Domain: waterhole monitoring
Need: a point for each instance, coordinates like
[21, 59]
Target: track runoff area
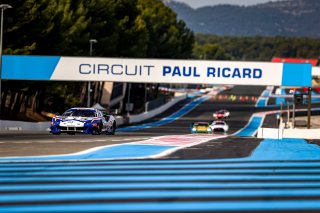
[220, 173]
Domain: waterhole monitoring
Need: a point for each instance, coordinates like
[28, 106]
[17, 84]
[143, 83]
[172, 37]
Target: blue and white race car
[83, 120]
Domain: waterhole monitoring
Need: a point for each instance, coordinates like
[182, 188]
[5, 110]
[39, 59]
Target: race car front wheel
[112, 129]
[98, 130]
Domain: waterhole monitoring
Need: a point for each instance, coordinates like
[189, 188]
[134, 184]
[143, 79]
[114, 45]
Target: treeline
[254, 48]
[123, 28]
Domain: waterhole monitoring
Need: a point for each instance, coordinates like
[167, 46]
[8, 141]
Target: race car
[83, 120]
[219, 126]
[221, 114]
[201, 127]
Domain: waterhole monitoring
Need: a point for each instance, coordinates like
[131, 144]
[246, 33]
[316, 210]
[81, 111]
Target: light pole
[91, 41]
[3, 7]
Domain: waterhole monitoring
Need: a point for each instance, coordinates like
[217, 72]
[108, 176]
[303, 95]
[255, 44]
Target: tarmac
[302, 122]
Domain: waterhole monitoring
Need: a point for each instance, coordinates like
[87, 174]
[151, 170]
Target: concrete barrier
[275, 133]
[24, 125]
[6, 125]
[270, 133]
[119, 120]
[302, 133]
[146, 115]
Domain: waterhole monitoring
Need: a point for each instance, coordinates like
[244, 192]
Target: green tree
[118, 27]
[209, 51]
[123, 28]
[259, 48]
[167, 36]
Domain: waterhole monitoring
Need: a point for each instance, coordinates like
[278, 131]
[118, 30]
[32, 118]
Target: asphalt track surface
[225, 175]
[29, 144]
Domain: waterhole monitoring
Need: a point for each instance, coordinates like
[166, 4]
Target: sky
[201, 3]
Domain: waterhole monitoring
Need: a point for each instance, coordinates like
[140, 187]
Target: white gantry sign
[155, 71]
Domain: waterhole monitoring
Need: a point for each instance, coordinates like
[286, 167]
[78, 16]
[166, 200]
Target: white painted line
[21, 142]
[170, 151]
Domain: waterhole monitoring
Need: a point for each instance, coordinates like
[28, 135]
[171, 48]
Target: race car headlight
[93, 122]
[214, 115]
[194, 129]
[55, 121]
[227, 113]
[209, 130]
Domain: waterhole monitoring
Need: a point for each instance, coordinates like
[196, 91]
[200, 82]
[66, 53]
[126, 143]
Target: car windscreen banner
[155, 71]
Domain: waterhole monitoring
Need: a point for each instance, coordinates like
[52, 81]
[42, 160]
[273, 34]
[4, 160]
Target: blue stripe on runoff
[167, 178]
[169, 171]
[243, 163]
[152, 185]
[204, 206]
[266, 94]
[251, 128]
[315, 100]
[262, 102]
[286, 149]
[271, 156]
[281, 100]
[157, 194]
[29, 67]
[111, 152]
[297, 75]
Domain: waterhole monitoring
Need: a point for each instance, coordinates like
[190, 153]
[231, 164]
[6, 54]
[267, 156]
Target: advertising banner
[155, 71]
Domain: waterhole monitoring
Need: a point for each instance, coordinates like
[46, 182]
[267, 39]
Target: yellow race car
[201, 127]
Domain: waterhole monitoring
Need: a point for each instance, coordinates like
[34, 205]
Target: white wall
[302, 133]
[146, 115]
[271, 133]
[24, 126]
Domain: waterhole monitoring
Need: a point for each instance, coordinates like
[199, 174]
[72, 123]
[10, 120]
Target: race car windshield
[220, 123]
[201, 125]
[79, 113]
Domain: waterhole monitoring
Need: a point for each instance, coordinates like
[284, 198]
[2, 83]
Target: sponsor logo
[213, 72]
[115, 69]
